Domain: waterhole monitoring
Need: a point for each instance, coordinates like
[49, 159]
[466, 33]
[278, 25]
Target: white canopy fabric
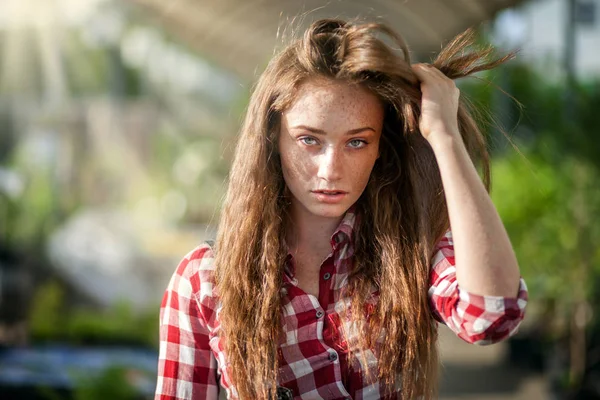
[241, 35]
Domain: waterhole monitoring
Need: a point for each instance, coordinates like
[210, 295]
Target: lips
[331, 192]
[329, 196]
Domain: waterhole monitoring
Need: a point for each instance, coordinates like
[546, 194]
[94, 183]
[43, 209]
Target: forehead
[319, 100]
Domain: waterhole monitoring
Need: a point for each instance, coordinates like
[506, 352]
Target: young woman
[334, 256]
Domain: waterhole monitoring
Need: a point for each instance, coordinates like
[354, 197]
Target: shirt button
[284, 291]
[333, 356]
[319, 314]
[327, 276]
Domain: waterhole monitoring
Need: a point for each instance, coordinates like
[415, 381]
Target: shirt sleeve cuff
[486, 320]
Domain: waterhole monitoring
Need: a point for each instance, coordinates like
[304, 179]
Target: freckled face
[328, 143]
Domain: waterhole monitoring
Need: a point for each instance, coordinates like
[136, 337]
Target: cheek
[361, 169]
[295, 165]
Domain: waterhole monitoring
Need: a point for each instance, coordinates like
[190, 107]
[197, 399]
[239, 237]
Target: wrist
[442, 141]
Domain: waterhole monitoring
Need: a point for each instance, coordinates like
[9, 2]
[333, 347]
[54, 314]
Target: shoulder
[201, 258]
[196, 271]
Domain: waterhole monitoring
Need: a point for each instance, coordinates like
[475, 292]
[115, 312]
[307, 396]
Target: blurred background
[117, 125]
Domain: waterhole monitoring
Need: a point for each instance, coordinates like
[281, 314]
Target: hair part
[402, 211]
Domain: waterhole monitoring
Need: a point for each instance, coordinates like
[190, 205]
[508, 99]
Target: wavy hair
[402, 210]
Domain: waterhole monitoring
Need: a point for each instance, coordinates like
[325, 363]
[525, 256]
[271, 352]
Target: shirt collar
[344, 232]
[346, 228]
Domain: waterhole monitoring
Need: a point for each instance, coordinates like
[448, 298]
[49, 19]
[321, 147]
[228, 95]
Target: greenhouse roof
[240, 36]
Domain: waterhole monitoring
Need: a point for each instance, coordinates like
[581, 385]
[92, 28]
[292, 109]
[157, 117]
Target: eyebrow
[322, 132]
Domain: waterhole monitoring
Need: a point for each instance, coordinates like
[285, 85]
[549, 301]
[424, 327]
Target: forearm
[485, 260]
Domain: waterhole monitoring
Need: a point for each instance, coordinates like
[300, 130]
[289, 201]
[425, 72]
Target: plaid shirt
[312, 357]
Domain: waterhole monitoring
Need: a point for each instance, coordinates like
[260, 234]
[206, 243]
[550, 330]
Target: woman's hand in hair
[439, 103]
[485, 261]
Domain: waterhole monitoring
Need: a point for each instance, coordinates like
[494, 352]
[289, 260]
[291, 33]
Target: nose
[330, 164]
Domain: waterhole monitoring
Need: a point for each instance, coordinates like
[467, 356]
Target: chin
[329, 210]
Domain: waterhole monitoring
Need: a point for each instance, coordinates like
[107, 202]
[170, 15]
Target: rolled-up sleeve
[474, 318]
[187, 368]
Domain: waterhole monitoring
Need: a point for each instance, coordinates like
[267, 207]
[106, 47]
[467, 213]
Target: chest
[312, 345]
[307, 276]
[309, 267]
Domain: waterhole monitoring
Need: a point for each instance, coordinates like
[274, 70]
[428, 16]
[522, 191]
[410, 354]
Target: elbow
[491, 329]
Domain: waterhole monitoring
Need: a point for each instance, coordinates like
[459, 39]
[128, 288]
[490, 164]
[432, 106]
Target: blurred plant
[46, 319]
[52, 319]
[119, 324]
[549, 196]
[550, 207]
[90, 118]
[112, 384]
[549, 210]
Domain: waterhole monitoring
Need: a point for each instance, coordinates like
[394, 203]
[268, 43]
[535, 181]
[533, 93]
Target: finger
[429, 73]
[423, 71]
[435, 71]
[441, 76]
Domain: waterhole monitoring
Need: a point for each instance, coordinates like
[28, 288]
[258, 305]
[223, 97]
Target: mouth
[329, 192]
[329, 196]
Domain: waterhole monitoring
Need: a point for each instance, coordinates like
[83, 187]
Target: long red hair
[403, 211]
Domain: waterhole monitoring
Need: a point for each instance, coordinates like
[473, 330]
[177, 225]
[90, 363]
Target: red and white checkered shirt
[312, 358]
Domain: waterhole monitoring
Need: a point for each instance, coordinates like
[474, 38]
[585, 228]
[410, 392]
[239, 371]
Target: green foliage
[549, 196]
[111, 384]
[548, 210]
[118, 324]
[551, 119]
[45, 317]
[33, 216]
[28, 218]
[51, 319]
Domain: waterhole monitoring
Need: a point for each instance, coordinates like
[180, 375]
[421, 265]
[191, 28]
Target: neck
[306, 230]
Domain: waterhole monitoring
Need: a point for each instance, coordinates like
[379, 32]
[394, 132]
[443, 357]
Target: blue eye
[357, 143]
[308, 140]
